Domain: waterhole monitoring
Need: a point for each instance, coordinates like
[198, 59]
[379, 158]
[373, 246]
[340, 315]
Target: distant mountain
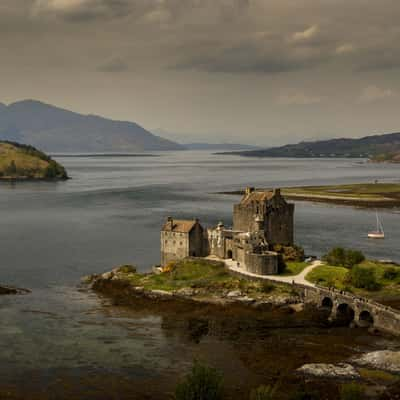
[366, 147]
[219, 146]
[54, 129]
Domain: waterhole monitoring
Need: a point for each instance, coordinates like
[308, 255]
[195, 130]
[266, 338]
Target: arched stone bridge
[344, 306]
[353, 309]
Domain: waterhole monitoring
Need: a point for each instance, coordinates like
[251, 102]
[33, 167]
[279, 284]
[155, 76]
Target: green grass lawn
[295, 268]
[364, 190]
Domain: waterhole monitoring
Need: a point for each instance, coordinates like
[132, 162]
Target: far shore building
[261, 220]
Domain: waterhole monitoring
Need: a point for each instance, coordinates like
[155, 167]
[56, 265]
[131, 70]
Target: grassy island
[24, 162]
[197, 279]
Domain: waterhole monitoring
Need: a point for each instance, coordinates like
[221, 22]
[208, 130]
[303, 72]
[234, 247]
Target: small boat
[379, 233]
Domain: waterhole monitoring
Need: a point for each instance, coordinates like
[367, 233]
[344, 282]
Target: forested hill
[366, 147]
[54, 129]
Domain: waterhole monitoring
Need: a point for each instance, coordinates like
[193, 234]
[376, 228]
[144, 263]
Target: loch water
[65, 342]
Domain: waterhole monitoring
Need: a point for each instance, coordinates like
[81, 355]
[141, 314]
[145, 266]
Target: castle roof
[179, 225]
[256, 196]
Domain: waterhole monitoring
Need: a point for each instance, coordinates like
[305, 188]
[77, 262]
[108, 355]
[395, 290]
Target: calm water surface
[110, 213]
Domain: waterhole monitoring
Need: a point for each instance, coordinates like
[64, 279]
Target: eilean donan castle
[261, 220]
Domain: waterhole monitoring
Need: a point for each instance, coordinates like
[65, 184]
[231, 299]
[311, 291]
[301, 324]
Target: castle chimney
[171, 222]
[249, 190]
[277, 192]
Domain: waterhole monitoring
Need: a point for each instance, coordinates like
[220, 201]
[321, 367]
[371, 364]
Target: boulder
[341, 371]
[234, 293]
[385, 360]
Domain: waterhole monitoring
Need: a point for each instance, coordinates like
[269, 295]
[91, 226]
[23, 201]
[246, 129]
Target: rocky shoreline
[115, 284]
[10, 290]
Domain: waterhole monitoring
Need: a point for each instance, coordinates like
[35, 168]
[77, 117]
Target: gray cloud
[115, 64]
[206, 55]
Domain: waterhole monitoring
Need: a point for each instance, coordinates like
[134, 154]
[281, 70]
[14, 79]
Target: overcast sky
[256, 71]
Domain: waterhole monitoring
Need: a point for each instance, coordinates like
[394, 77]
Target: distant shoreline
[105, 155]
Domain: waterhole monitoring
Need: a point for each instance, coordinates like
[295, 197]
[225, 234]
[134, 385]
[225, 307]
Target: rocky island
[20, 162]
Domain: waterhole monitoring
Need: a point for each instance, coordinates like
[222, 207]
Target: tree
[353, 257]
[11, 170]
[336, 256]
[202, 383]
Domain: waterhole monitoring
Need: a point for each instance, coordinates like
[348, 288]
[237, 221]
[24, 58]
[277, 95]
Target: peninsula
[20, 162]
[375, 195]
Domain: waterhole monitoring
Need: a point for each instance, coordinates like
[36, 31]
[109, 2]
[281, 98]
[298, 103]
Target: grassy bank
[386, 280]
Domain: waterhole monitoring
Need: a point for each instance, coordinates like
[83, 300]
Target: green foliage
[11, 170]
[267, 287]
[351, 391]
[363, 278]
[202, 383]
[391, 273]
[127, 269]
[263, 393]
[341, 257]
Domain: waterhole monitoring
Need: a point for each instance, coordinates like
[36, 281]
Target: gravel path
[299, 279]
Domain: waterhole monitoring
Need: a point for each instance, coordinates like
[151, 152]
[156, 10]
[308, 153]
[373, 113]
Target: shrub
[351, 391]
[262, 393]
[11, 169]
[391, 273]
[340, 257]
[127, 269]
[203, 383]
[267, 287]
[363, 278]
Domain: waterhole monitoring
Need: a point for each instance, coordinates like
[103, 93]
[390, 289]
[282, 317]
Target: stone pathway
[299, 279]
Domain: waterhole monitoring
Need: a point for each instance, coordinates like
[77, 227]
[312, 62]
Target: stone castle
[261, 220]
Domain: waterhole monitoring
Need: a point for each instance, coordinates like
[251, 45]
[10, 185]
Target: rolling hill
[366, 147]
[54, 129]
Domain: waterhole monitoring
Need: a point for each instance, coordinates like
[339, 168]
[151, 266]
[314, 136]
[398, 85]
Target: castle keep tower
[268, 209]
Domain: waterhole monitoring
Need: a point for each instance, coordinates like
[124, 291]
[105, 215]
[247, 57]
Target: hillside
[366, 147]
[22, 162]
[53, 129]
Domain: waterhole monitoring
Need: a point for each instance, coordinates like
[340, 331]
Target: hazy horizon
[233, 71]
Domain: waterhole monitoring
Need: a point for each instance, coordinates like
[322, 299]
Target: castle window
[181, 243]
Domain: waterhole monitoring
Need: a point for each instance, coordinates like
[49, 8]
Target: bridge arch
[366, 319]
[327, 303]
[344, 313]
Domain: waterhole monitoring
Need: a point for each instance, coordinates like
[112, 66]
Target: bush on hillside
[363, 278]
[340, 257]
[203, 383]
[391, 273]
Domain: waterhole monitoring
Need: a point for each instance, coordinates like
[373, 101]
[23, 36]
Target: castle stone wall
[262, 264]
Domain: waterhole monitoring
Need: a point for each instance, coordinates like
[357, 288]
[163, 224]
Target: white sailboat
[379, 233]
